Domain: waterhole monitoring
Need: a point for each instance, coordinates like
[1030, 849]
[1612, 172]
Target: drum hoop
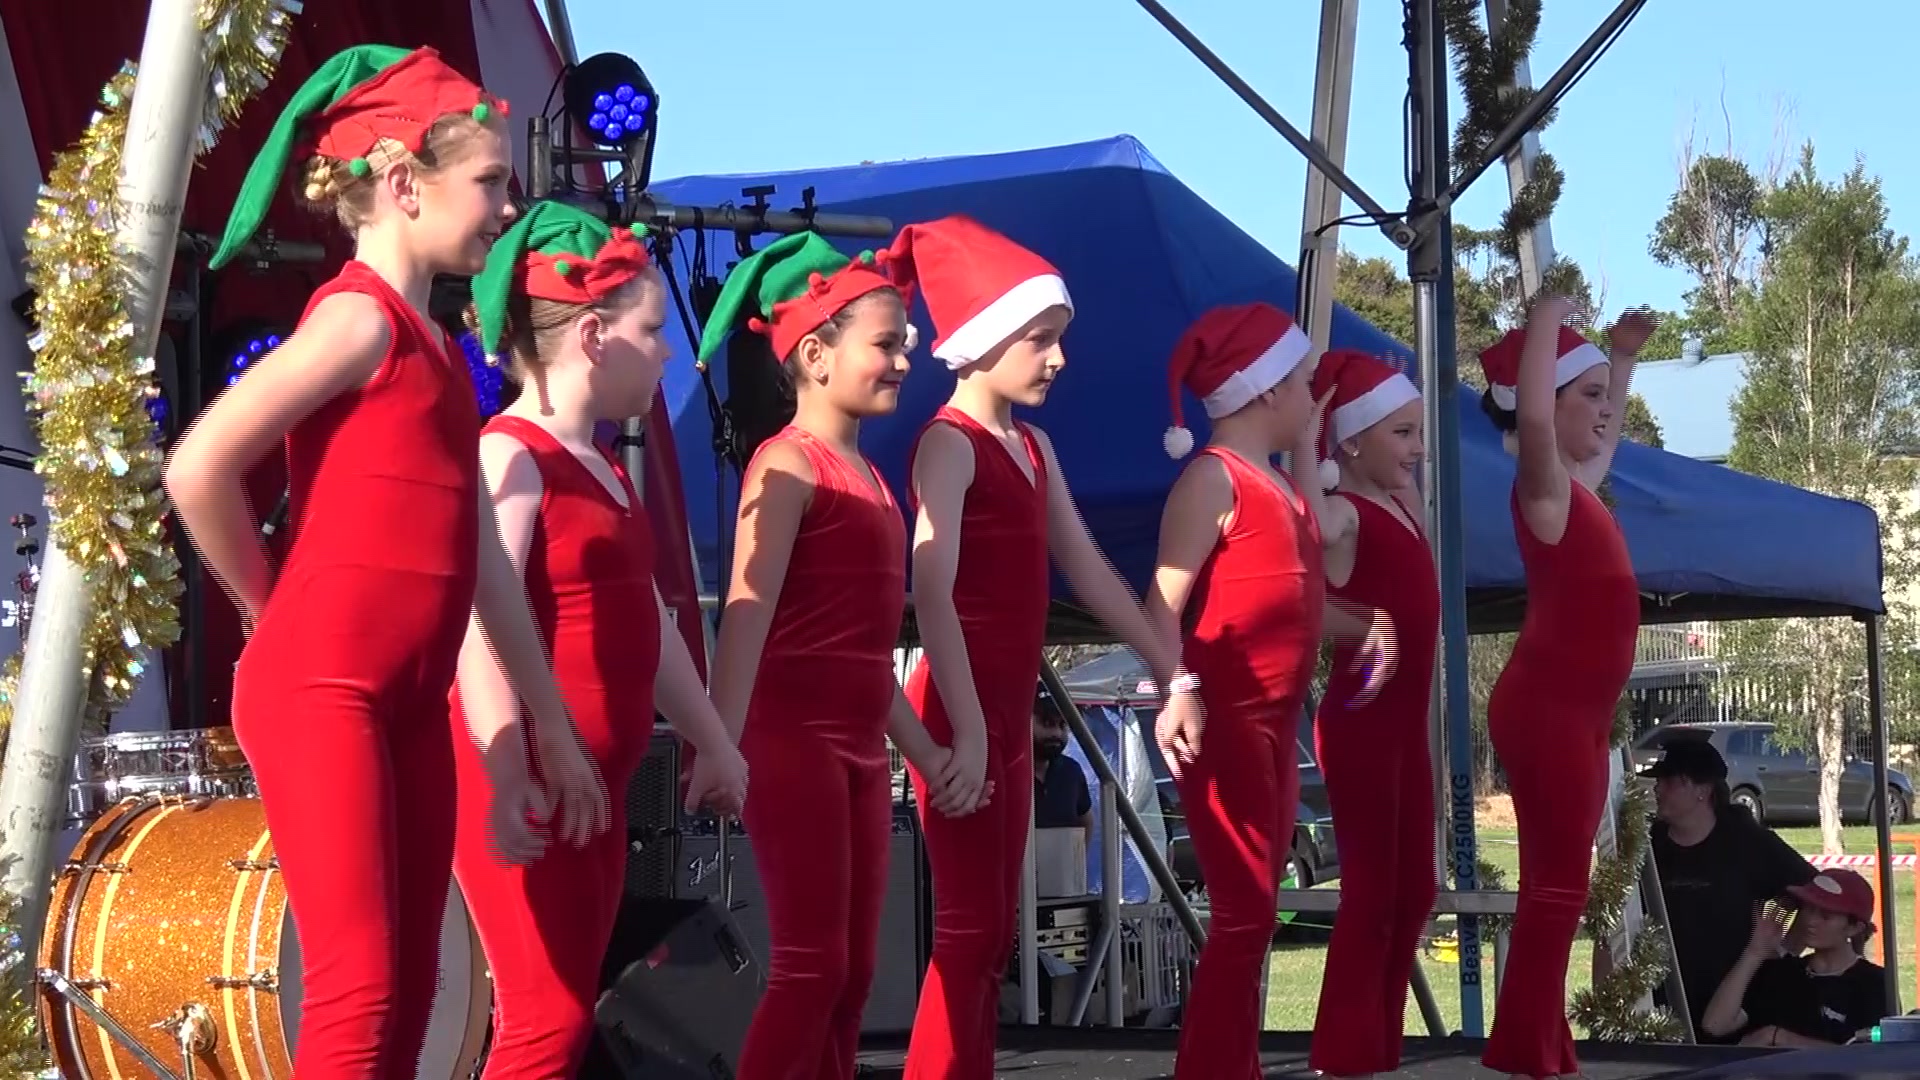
[76, 897]
[147, 740]
[477, 1041]
[161, 778]
[253, 950]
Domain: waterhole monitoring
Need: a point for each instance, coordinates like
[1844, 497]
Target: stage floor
[1102, 1054]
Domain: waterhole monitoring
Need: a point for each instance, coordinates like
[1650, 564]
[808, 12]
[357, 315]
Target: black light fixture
[609, 97]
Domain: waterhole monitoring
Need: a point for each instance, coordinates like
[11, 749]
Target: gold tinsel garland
[21, 1051]
[1610, 1009]
[99, 457]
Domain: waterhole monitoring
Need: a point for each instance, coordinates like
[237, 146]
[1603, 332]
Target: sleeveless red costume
[340, 697]
[1379, 776]
[815, 737]
[1550, 717]
[1253, 637]
[545, 927]
[1001, 594]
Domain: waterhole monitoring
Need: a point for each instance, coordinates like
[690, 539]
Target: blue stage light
[610, 96]
[487, 379]
[246, 350]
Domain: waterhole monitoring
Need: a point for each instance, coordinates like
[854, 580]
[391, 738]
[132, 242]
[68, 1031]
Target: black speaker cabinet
[902, 957]
[653, 816]
[678, 991]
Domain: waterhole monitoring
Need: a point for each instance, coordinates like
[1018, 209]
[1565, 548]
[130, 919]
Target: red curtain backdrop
[63, 53]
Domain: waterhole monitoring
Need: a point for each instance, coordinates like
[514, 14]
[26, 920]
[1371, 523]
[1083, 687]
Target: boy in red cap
[1240, 591]
[1559, 401]
[1826, 997]
[991, 506]
[803, 673]
[1374, 753]
[340, 696]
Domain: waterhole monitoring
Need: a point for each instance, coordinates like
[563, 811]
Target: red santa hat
[1501, 362]
[1228, 357]
[1366, 390]
[981, 287]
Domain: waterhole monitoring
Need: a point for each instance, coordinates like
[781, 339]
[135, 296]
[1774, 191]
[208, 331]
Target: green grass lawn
[1293, 985]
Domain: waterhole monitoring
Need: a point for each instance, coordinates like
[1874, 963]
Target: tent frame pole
[1320, 252]
[1536, 248]
[1882, 825]
[1319, 225]
[1430, 269]
[1394, 225]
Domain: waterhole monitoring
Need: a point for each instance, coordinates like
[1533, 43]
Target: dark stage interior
[1049, 1053]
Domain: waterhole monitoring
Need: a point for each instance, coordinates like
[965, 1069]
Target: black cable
[547, 109]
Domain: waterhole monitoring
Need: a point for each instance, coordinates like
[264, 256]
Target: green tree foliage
[1831, 403]
[1717, 228]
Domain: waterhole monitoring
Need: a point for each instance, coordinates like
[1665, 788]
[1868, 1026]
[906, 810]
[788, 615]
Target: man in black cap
[1061, 798]
[1717, 865]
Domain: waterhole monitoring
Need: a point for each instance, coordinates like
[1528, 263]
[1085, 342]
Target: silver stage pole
[1332, 107]
[168, 102]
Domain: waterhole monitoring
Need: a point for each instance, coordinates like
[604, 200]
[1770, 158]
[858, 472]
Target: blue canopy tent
[1144, 256]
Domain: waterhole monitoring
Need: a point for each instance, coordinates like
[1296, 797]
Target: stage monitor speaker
[653, 818]
[678, 990]
[902, 952]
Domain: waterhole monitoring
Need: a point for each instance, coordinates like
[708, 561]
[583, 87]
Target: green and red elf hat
[361, 97]
[789, 289]
[554, 252]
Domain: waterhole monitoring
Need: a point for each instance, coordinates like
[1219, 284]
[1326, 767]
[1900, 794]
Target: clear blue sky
[881, 81]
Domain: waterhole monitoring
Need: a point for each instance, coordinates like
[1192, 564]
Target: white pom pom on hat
[1329, 474]
[1178, 441]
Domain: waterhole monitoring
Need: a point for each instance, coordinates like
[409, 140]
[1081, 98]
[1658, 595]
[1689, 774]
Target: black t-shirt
[1060, 797]
[1832, 1008]
[1712, 890]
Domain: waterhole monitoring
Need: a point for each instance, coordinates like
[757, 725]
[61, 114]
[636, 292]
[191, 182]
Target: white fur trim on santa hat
[1001, 319]
[1568, 368]
[1262, 375]
[1372, 407]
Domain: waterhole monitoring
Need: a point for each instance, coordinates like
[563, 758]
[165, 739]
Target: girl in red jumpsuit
[577, 310]
[1374, 754]
[805, 656]
[1240, 587]
[992, 505]
[340, 696]
[1559, 401]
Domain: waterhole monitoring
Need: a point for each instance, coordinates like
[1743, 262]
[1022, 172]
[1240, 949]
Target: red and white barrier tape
[1900, 862]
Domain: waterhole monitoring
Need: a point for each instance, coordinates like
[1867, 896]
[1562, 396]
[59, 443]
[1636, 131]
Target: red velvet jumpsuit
[1550, 717]
[1379, 776]
[340, 697]
[545, 927]
[821, 808]
[1001, 594]
[1253, 637]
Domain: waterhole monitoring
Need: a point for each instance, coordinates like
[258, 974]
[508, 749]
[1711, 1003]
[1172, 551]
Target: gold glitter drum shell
[172, 918]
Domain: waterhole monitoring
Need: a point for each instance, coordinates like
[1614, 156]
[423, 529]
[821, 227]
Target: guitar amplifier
[678, 994]
[653, 815]
[901, 956]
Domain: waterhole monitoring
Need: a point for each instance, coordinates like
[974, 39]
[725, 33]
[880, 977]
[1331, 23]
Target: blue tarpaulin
[1144, 256]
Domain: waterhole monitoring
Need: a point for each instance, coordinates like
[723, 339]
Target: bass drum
[172, 917]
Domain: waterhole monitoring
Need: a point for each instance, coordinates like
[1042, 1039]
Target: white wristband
[1183, 683]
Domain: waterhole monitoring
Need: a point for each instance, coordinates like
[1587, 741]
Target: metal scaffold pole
[168, 101]
[1430, 268]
